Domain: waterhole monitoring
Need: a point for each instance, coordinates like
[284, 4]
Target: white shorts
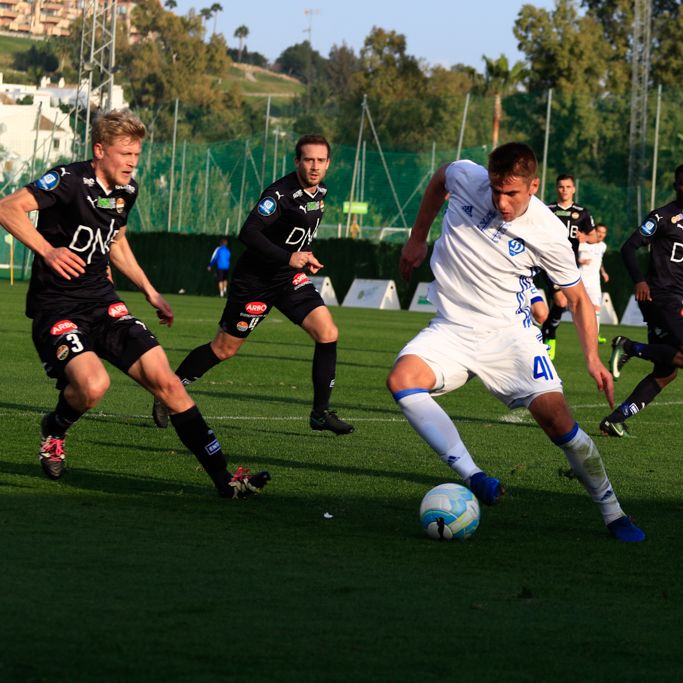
[512, 362]
[594, 292]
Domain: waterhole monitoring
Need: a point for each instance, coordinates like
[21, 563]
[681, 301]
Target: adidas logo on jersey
[468, 210]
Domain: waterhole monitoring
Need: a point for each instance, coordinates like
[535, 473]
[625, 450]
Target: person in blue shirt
[221, 259]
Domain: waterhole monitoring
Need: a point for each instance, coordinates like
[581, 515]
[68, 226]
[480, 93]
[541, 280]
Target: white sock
[586, 462]
[597, 320]
[432, 423]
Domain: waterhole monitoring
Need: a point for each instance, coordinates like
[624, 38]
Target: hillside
[256, 81]
[9, 47]
[253, 81]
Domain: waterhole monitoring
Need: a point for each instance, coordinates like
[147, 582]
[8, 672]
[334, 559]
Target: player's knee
[169, 388]
[93, 388]
[326, 335]
[401, 378]
[664, 375]
[225, 348]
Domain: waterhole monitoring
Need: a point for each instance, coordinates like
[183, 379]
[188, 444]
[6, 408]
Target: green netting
[216, 185]
[208, 188]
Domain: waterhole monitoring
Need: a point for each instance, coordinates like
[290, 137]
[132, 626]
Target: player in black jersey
[579, 225]
[78, 318]
[660, 297]
[278, 234]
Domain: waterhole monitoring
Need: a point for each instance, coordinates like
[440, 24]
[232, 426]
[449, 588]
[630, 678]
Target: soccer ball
[449, 511]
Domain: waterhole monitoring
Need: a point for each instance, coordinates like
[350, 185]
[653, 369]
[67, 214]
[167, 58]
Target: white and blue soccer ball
[449, 511]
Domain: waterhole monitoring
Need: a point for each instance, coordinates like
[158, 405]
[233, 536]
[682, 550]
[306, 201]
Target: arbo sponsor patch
[300, 279]
[256, 308]
[63, 326]
[117, 310]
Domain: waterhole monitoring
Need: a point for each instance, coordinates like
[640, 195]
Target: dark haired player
[579, 224]
[78, 318]
[660, 297]
[278, 234]
[495, 236]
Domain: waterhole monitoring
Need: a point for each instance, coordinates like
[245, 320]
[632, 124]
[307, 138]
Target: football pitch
[130, 568]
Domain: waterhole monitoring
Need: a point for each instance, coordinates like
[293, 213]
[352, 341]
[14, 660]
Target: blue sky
[439, 31]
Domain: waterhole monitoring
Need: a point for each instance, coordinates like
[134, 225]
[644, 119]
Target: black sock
[323, 372]
[60, 419]
[197, 436]
[641, 396]
[661, 354]
[196, 363]
[549, 329]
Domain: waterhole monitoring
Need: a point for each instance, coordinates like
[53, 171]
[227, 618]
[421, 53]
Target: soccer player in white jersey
[590, 265]
[496, 235]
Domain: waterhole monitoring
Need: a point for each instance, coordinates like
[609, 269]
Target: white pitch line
[512, 417]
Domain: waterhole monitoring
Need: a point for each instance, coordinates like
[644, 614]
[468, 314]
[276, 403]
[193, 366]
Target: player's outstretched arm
[583, 314]
[414, 250]
[123, 259]
[14, 210]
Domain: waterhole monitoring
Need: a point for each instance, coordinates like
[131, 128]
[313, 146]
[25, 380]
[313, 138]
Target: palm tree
[215, 9]
[205, 13]
[501, 80]
[241, 33]
[170, 4]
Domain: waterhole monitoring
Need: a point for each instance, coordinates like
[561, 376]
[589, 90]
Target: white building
[40, 126]
[37, 127]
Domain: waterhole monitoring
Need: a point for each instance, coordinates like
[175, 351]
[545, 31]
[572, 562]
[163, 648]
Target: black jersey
[285, 220]
[78, 213]
[576, 219]
[662, 231]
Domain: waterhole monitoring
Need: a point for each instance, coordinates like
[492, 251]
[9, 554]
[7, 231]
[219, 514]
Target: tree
[175, 62]
[500, 80]
[38, 61]
[340, 70]
[215, 9]
[294, 61]
[241, 33]
[404, 111]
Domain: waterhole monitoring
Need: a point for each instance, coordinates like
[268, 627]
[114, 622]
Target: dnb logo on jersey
[267, 206]
[516, 247]
[648, 228]
[49, 181]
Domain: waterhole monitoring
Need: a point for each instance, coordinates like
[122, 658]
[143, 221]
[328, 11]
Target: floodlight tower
[95, 68]
[309, 62]
[640, 76]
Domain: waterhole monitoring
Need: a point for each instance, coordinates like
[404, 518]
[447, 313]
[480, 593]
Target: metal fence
[209, 188]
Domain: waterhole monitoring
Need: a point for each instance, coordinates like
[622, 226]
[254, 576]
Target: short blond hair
[117, 123]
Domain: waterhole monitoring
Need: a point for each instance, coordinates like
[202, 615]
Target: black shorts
[550, 287]
[109, 331]
[664, 318]
[250, 300]
[221, 275]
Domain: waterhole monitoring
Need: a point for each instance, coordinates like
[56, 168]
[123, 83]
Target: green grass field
[131, 569]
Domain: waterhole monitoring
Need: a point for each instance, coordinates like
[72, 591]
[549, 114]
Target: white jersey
[482, 265]
[590, 272]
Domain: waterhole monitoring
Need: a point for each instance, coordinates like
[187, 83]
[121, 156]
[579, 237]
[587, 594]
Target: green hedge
[177, 262]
